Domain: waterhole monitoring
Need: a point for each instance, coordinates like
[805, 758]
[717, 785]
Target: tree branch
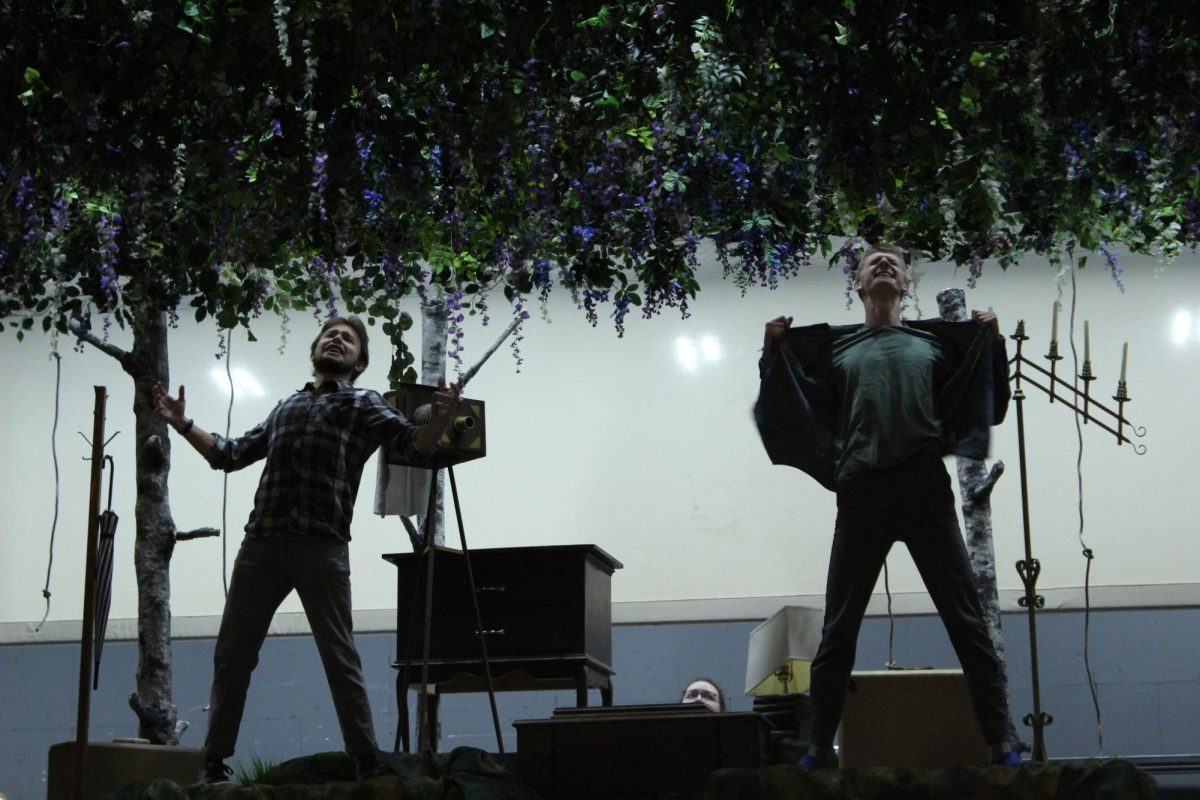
[198, 533]
[414, 536]
[984, 490]
[107, 348]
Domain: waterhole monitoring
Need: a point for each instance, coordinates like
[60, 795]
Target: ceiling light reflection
[243, 382]
[1181, 327]
[686, 352]
[691, 353]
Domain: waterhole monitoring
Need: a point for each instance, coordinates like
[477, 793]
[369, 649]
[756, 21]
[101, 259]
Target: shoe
[1009, 758]
[371, 766]
[216, 773]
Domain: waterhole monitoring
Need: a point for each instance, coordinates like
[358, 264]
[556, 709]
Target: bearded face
[336, 353]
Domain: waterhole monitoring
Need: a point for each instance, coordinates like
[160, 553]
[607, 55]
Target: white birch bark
[975, 483]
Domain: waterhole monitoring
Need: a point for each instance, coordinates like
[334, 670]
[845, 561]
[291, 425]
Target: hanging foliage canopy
[248, 156]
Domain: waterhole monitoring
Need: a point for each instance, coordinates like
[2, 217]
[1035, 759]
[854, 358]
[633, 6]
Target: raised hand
[775, 329]
[987, 319]
[445, 399]
[170, 409]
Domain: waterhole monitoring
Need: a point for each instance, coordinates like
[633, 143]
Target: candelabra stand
[1080, 401]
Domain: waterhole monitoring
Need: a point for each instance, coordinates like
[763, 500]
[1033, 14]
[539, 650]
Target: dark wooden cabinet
[546, 613]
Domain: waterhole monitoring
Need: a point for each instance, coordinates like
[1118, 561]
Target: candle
[1054, 324]
[1124, 360]
[1087, 343]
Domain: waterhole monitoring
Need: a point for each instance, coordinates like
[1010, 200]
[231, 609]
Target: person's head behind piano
[705, 691]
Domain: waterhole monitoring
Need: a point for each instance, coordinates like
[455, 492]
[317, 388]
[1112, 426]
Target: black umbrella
[102, 588]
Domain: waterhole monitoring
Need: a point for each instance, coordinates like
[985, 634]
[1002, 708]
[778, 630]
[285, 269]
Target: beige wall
[617, 442]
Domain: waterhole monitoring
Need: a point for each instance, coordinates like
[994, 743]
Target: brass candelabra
[1026, 371]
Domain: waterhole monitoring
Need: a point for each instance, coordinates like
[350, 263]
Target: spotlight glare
[685, 351]
[243, 382]
[1181, 327]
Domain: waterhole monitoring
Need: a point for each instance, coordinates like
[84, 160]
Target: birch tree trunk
[154, 542]
[434, 330]
[975, 483]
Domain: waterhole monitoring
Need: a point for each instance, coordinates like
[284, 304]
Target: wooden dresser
[547, 620]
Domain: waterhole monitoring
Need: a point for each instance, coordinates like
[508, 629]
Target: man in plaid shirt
[315, 443]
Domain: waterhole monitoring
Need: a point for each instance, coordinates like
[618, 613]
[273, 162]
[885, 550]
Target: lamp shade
[781, 651]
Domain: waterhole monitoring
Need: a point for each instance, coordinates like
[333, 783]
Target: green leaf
[32, 75]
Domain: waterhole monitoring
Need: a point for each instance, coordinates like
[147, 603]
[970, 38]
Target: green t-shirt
[885, 379]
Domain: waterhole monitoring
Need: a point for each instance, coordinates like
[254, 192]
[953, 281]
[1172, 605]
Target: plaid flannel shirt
[316, 444]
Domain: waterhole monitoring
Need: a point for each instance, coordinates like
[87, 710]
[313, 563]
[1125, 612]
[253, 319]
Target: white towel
[400, 491]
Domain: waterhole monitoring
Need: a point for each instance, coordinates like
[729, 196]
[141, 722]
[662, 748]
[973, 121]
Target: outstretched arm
[172, 411]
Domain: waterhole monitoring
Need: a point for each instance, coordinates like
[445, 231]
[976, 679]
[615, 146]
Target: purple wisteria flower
[1071, 157]
[58, 216]
[1114, 266]
[740, 171]
[454, 331]
[107, 231]
[974, 269]
[326, 271]
[588, 299]
[319, 182]
[363, 145]
[435, 162]
[620, 310]
[23, 200]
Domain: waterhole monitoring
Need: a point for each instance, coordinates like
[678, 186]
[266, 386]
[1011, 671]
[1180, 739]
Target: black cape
[797, 407]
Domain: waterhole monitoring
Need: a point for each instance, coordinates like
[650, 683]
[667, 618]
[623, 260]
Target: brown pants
[265, 572]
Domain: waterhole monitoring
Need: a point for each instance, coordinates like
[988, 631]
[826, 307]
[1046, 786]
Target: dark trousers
[912, 503]
[265, 572]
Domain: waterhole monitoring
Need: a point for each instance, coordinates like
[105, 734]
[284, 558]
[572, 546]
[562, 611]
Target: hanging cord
[887, 588]
[225, 481]
[1087, 551]
[54, 455]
